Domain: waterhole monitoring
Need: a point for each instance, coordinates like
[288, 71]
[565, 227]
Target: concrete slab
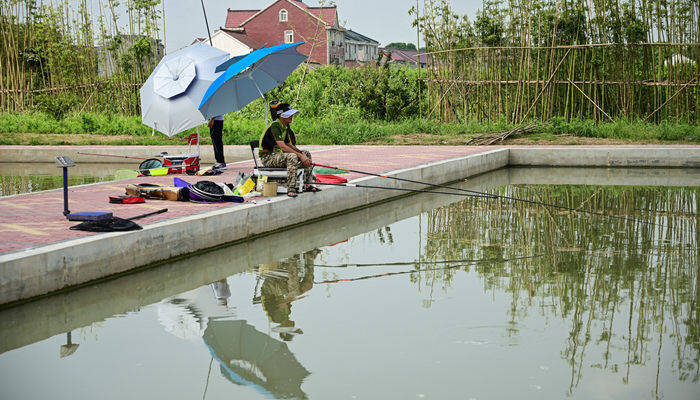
[39, 254]
[606, 156]
[46, 154]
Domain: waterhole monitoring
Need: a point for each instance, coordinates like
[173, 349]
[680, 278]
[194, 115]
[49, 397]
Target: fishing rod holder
[64, 162]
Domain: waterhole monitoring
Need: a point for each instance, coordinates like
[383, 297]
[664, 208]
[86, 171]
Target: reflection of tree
[284, 282]
[626, 288]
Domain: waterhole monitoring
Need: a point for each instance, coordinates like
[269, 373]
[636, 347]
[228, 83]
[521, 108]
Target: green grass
[36, 128]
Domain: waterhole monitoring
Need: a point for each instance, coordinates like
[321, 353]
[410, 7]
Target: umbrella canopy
[173, 76]
[252, 358]
[249, 78]
[171, 95]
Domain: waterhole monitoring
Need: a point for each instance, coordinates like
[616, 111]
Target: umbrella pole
[261, 95]
[207, 23]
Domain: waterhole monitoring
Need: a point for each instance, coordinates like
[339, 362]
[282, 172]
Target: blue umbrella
[249, 78]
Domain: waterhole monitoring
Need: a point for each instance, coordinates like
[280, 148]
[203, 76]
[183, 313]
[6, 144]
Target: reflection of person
[221, 291]
[278, 294]
[216, 128]
[278, 149]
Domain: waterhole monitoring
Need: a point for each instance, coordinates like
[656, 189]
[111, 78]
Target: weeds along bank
[598, 69]
[374, 104]
[94, 128]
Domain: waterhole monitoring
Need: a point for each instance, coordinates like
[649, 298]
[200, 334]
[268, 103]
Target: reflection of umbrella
[171, 95]
[180, 319]
[252, 358]
[248, 78]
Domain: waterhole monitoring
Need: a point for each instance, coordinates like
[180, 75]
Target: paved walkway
[35, 220]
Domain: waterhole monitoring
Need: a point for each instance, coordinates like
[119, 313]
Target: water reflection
[626, 289]
[12, 185]
[246, 356]
[251, 358]
[283, 283]
[601, 300]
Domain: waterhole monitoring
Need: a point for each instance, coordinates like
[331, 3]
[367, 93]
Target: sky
[385, 21]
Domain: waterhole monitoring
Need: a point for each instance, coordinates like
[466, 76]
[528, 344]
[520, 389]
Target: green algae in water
[12, 185]
[555, 305]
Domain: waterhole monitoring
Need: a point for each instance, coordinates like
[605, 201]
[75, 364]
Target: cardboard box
[269, 189]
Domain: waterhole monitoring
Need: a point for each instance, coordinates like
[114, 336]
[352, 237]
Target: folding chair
[188, 160]
[277, 174]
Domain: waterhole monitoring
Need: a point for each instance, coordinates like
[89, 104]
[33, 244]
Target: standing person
[278, 149]
[216, 128]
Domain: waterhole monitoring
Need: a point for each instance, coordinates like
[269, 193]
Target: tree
[401, 46]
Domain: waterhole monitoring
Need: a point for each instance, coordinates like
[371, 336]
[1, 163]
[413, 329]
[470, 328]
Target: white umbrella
[171, 95]
[173, 76]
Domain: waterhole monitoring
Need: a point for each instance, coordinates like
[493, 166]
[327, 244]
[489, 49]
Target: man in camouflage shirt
[278, 149]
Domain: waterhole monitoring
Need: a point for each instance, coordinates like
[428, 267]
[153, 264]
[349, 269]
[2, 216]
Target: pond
[428, 296]
[18, 178]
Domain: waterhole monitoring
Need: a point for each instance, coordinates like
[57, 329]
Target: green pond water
[426, 297]
[18, 178]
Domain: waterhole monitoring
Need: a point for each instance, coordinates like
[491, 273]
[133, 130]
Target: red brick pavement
[36, 219]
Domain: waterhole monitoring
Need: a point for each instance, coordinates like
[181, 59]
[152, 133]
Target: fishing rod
[472, 262]
[407, 180]
[162, 210]
[111, 155]
[392, 264]
[401, 189]
[488, 195]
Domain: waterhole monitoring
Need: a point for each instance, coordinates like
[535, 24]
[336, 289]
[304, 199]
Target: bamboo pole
[592, 102]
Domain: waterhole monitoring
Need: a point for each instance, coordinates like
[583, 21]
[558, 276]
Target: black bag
[114, 224]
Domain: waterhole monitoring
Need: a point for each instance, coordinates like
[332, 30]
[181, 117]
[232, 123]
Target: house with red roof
[289, 21]
[411, 58]
[231, 41]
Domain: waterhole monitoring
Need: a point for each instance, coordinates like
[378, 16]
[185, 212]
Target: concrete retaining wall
[53, 315]
[34, 272]
[46, 269]
[575, 156]
[47, 154]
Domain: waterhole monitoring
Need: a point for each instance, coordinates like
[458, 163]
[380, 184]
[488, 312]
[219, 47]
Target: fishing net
[209, 187]
[205, 191]
[150, 163]
[114, 224]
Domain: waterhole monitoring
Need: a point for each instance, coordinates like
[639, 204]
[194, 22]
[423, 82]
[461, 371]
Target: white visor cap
[289, 113]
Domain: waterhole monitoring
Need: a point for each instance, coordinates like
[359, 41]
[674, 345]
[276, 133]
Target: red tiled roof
[408, 56]
[328, 15]
[235, 18]
[325, 14]
[243, 38]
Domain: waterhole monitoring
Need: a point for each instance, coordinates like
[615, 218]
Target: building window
[289, 36]
[283, 15]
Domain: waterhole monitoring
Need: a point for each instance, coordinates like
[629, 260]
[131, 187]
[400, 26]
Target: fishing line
[407, 180]
[111, 155]
[388, 264]
[487, 195]
[401, 189]
[472, 262]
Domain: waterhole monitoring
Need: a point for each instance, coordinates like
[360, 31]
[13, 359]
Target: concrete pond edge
[38, 271]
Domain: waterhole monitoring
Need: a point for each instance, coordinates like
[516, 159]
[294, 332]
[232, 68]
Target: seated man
[278, 149]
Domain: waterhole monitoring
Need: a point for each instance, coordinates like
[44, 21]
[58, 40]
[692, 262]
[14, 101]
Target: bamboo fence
[649, 81]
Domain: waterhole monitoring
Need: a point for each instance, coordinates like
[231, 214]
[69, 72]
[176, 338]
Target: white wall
[228, 44]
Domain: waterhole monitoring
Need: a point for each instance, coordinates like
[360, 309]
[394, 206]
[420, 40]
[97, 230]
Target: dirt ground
[429, 139]
[89, 139]
[401, 140]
